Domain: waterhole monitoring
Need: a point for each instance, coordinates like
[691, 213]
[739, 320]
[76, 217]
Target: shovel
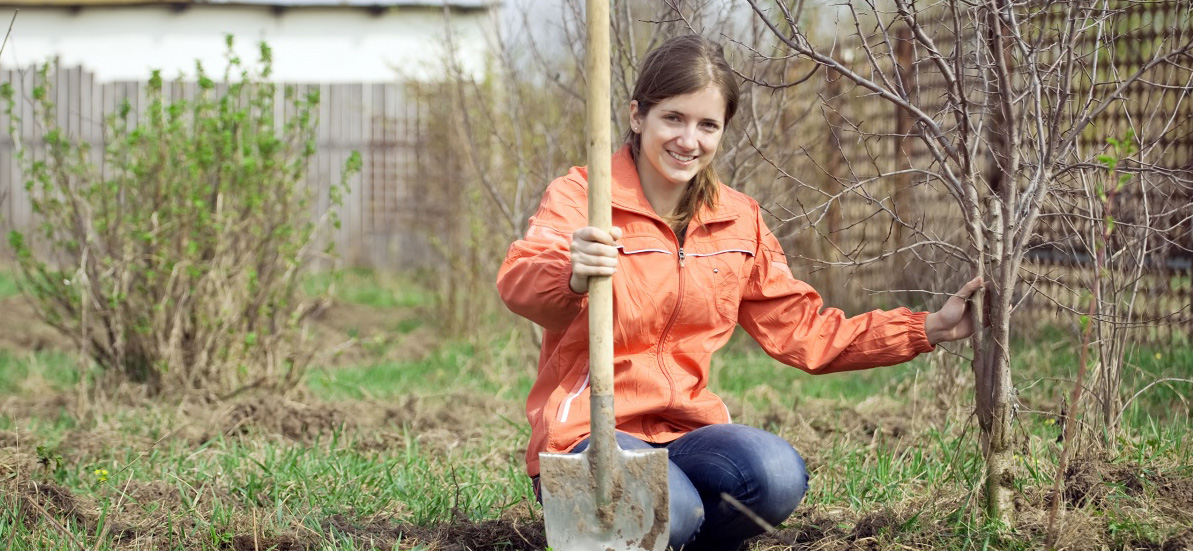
[604, 498]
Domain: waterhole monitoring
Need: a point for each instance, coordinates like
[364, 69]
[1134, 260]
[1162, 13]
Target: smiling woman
[676, 141]
[690, 259]
[678, 113]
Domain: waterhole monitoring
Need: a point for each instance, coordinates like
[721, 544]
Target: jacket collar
[628, 195]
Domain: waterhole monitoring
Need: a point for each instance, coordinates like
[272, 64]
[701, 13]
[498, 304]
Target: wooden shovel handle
[602, 441]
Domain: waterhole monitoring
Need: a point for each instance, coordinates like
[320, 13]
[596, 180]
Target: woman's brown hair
[683, 65]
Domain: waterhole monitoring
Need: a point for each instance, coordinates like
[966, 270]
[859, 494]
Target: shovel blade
[637, 519]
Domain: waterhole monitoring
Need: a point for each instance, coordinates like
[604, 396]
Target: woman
[690, 259]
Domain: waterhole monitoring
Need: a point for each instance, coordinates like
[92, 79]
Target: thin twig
[761, 522]
[9, 33]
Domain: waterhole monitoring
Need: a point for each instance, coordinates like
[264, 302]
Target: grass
[391, 447]
[360, 286]
[455, 366]
[35, 368]
[8, 283]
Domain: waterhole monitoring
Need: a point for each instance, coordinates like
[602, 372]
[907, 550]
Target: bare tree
[1001, 107]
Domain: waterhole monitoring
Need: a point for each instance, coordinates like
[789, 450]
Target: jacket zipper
[667, 331]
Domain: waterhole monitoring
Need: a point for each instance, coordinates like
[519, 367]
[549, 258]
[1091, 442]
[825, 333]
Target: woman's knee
[780, 472]
[766, 471]
[783, 478]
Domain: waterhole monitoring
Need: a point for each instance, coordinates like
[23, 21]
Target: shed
[323, 41]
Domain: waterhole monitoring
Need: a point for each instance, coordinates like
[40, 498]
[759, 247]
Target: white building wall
[317, 44]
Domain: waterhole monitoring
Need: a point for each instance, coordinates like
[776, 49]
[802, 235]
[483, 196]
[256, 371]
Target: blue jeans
[757, 468]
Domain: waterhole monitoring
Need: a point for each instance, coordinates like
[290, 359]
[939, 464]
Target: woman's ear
[635, 117]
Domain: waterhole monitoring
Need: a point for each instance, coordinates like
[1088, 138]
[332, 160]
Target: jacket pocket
[723, 268]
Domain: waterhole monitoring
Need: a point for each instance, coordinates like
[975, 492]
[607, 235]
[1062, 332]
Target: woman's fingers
[951, 323]
[590, 265]
[594, 253]
[589, 234]
[969, 288]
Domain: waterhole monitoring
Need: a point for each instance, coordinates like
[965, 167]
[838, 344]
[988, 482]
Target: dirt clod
[40, 498]
[252, 543]
[875, 524]
[1180, 542]
[459, 535]
[276, 415]
[1084, 484]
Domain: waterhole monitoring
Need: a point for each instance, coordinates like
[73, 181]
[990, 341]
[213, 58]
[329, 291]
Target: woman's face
[679, 136]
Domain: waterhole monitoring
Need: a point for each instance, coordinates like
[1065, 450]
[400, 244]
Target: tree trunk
[994, 419]
[994, 391]
[995, 405]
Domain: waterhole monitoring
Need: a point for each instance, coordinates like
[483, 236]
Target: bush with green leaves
[176, 257]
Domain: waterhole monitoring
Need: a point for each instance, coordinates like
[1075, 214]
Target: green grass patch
[458, 366]
[744, 368]
[56, 370]
[8, 283]
[371, 288]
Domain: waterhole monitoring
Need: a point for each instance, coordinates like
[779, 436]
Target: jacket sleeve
[533, 279]
[789, 320]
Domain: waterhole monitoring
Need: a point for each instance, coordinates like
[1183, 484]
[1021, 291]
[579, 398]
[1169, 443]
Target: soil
[459, 535]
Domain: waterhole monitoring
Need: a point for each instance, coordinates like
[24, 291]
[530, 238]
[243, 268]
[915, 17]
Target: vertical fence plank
[29, 138]
[392, 177]
[8, 165]
[351, 111]
[319, 161]
[331, 122]
[92, 115]
[405, 139]
[372, 171]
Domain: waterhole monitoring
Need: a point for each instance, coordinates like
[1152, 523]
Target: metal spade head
[627, 511]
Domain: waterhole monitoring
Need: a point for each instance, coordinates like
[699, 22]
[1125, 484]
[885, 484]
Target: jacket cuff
[567, 286]
[917, 335]
[577, 300]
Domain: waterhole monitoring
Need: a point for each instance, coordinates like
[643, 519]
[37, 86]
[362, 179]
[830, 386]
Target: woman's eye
[671, 118]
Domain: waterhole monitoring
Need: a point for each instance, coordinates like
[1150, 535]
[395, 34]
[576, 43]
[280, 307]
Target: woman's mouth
[682, 158]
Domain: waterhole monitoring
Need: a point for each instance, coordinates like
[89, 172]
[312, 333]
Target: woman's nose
[687, 137]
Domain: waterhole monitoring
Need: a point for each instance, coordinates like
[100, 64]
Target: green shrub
[176, 256]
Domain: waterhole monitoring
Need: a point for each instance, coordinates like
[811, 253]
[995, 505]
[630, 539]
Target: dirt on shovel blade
[639, 516]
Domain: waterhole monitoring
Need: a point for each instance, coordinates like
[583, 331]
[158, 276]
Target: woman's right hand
[594, 253]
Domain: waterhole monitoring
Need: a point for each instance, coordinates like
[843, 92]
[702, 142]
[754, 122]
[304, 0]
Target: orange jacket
[672, 309]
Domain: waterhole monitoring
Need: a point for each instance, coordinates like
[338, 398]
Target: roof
[457, 4]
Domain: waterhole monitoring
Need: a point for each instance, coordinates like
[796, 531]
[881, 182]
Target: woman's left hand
[953, 322]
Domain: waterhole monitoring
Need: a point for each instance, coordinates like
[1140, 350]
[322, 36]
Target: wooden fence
[382, 211]
[864, 138]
